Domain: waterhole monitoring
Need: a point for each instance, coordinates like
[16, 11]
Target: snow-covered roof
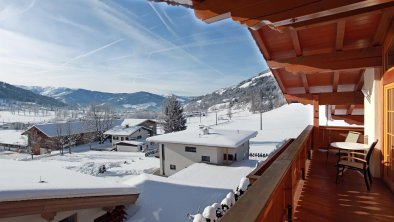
[20, 180]
[13, 137]
[215, 137]
[132, 142]
[123, 131]
[134, 122]
[63, 128]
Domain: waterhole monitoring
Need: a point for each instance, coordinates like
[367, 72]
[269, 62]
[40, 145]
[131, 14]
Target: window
[172, 167]
[122, 138]
[190, 149]
[230, 157]
[139, 137]
[206, 159]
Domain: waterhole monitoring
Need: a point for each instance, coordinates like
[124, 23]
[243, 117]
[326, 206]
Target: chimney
[127, 125]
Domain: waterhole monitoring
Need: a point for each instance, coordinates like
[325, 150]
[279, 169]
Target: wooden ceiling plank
[349, 59]
[338, 98]
[383, 27]
[340, 35]
[305, 82]
[279, 80]
[261, 44]
[296, 41]
[335, 81]
[360, 82]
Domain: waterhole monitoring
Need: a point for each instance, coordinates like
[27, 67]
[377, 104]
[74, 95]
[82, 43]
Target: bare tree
[60, 139]
[100, 119]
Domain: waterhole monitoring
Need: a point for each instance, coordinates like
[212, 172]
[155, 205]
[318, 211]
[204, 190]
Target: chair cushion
[351, 164]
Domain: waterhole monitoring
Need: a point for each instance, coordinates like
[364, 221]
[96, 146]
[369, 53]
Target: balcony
[298, 184]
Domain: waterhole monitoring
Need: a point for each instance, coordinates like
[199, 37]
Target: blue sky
[121, 46]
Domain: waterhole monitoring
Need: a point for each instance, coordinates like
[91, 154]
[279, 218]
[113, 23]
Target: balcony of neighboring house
[298, 183]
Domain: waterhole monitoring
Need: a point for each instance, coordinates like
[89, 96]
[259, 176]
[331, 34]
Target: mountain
[144, 101]
[251, 93]
[9, 92]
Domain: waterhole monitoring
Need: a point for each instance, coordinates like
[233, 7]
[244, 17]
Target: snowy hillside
[241, 95]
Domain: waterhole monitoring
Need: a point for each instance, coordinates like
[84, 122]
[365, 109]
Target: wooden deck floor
[323, 200]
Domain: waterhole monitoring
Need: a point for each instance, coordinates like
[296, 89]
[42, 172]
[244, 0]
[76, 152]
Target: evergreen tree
[173, 115]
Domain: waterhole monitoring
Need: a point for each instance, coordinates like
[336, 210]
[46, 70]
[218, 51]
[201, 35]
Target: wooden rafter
[350, 119]
[335, 81]
[360, 81]
[350, 109]
[340, 35]
[279, 80]
[304, 82]
[383, 27]
[261, 44]
[338, 98]
[349, 59]
[296, 41]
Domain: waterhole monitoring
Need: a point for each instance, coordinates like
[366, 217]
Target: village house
[51, 136]
[130, 136]
[29, 193]
[181, 149]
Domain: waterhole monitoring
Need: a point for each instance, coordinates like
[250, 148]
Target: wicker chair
[357, 161]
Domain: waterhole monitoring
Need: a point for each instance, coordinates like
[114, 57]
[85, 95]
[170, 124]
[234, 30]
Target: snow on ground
[168, 200]
[13, 137]
[226, 177]
[8, 117]
[26, 180]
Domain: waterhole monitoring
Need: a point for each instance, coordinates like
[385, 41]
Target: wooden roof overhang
[313, 47]
[48, 208]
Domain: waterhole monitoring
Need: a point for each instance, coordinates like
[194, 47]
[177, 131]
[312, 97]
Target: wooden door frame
[388, 79]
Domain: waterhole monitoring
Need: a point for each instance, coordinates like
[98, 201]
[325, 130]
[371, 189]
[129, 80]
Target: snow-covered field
[8, 117]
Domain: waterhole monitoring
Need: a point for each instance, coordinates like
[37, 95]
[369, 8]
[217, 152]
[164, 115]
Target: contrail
[92, 52]
[162, 20]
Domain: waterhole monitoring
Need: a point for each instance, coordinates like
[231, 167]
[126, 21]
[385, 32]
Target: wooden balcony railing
[271, 196]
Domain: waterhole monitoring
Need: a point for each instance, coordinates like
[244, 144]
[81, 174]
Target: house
[13, 139]
[179, 150]
[29, 193]
[333, 53]
[147, 123]
[51, 136]
[130, 135]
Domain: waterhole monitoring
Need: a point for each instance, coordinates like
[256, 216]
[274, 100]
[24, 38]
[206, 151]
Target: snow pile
[22, 180]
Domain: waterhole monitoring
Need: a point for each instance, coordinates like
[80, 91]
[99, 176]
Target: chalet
[179, 150]
[49, 136]
[29, 193]
[333, 53]
[13, 139]
[147, 123]
[129, 138]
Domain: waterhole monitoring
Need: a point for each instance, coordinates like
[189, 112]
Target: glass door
[389, 134]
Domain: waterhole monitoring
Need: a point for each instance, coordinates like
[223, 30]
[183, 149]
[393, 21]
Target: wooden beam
[338, 98]
[350, 119]
[335, 81]
[340, 35]
[296, 41]
[47, 206]
[279, 80]
[350, 109]
[383, 27]
[360, 82]
[349, 59]
[261, 44]
[316, 122]
[305, 82]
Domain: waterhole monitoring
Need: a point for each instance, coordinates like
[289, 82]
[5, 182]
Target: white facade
[140, 134]
[175, 157]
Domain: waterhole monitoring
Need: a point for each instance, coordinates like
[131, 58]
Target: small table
[349, 146]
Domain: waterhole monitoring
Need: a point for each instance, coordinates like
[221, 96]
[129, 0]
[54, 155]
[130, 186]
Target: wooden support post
[315, 122]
